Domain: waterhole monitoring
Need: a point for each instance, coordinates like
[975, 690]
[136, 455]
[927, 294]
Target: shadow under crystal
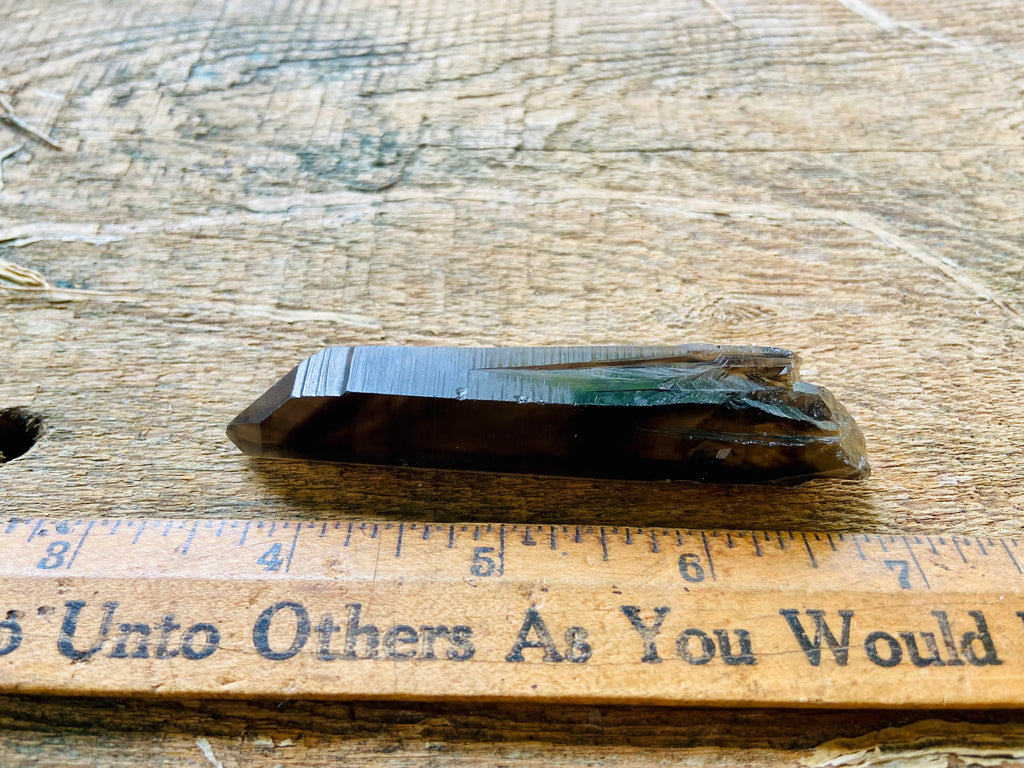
[322, 490]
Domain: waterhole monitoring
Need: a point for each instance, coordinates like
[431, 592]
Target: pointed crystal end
[694, 412]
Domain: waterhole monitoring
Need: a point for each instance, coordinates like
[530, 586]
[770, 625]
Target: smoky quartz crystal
[691, 412]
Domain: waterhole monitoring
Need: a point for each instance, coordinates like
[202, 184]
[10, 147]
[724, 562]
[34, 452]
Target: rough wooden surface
[241, 183]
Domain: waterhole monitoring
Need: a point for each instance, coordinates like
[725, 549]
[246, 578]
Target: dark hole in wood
[19, 430]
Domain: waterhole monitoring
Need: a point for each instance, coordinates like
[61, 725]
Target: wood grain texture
[242, 183]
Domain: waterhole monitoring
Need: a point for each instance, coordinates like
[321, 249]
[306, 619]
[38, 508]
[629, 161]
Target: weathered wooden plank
[243, 183]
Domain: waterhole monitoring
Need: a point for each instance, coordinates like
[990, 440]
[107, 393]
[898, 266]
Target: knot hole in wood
[20, 428]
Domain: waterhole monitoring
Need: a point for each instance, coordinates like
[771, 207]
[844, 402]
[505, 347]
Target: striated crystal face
[691, 412]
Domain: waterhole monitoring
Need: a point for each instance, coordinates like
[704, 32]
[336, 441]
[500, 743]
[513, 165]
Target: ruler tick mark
[35, 530]
[604, 545]
[81, 541]
[188, 541]
[348, 535]
[245, 533]
[398, 544]
[553, 544]
[956, 544]
[757, 547]
[291, 552]
[982, 546]
[451, 536]
[913, 557]
[830, 542]
[1010, 555]
[857, 545]
[654, 542]
[707, 551]
[810, 554]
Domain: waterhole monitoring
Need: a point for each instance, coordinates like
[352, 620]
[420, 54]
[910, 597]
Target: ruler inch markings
[962, 609]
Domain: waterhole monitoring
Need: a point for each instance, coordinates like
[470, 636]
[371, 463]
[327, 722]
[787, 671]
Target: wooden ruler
[351, 609]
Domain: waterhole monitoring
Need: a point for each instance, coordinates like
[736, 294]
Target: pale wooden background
[242, 183]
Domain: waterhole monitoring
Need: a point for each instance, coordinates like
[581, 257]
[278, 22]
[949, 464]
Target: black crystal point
[691, 412]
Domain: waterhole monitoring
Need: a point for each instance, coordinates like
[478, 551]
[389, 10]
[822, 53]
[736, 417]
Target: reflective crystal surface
[692, 412]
